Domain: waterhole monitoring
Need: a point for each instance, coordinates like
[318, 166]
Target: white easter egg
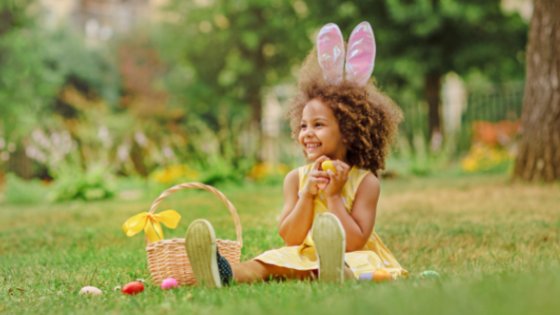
[90, 290]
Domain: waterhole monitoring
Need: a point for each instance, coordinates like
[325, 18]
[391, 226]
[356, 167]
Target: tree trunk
[432, 86]
[538, 158]
[20, 164]
[256, 123]
[6, 21]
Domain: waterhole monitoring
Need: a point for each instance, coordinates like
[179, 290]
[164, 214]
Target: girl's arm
[297, 214]
[360, 222]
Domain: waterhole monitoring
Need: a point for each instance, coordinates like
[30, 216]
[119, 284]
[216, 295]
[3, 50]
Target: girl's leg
[205, 261]
[329, 239]
[200, 243]
[254, 271]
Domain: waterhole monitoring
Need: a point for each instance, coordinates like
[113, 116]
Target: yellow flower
[483, 157]
[263, 170]
[173, 174]
[469, 164]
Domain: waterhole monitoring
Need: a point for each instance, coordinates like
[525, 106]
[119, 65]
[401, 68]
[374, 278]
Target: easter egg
[382, 275]
[169, 283]
[132, 288]
[328, 165]
[429, 274]
[366, 276]
[90, 290]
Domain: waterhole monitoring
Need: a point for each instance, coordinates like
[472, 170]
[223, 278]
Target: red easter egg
[132, 288]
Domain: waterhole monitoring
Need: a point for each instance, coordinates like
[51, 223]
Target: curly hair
[367, 118]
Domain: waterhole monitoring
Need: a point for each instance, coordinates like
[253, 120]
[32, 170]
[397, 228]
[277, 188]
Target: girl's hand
[318, 179]
[336, 179]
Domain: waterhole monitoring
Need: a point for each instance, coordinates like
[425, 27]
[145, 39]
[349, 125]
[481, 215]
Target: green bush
[416, 158]
[220, 172]
[93, 184]
[20, 191]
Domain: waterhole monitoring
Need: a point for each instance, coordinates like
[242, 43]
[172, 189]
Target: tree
[423, 40]
[538, 158]
[231, 52]
[36, 63]
[18, 61]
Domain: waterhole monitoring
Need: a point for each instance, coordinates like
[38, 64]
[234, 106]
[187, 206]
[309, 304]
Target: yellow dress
[374, 256]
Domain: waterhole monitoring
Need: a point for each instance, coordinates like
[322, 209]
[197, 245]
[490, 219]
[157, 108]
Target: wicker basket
[168, 258]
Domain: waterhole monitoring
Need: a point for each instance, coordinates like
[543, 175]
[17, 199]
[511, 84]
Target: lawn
[496, 245]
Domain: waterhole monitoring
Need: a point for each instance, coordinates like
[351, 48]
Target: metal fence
[494, 104]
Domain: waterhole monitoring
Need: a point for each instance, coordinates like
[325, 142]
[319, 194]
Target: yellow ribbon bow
[150, 223]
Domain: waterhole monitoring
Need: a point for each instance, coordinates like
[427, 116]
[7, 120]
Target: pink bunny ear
[361, 54]
[330, 52]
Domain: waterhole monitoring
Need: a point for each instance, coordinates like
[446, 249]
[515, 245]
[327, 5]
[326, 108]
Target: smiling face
[320, 133]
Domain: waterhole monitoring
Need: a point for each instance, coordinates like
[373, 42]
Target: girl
[344, 126]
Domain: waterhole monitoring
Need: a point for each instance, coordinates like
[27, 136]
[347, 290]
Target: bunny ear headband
[359, 59]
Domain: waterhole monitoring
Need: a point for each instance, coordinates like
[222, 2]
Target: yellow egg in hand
[328, 165]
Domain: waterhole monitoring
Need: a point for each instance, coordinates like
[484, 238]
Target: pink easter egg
[169, 283]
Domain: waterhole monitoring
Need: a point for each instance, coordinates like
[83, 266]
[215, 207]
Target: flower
[173, 174]
[483, 157]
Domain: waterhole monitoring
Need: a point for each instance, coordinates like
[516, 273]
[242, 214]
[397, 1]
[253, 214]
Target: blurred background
[100, 96]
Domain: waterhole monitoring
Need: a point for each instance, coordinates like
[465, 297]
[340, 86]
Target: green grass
[496, 245]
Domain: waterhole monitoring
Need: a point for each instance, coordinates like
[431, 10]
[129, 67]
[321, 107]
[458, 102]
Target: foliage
[27, 84]
[190, 91]
[215, 170]
[174, 174]
[40, 108]
[141, 68]
[458, 36]
[73, 183]
[52, 149]
[420, 41]
[233, 52]
[417, 158]
[20, 191]
[37, 64]
[492, 146]
[418, 37]
[484, 158]
[259, 43]
[218, 170]
[268, 172]
[498, 107]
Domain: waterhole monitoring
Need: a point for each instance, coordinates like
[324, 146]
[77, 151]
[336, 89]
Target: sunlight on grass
[495, 244]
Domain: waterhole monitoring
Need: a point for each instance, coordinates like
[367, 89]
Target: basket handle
[195, 185]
